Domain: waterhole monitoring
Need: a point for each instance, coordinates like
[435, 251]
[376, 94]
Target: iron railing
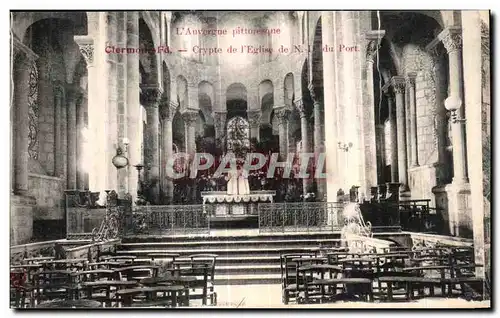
[300, 217]
[168, 220]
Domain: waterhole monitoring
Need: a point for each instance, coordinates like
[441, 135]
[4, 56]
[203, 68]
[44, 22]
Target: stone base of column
[459, 211]
[21, 218]
[404, 194]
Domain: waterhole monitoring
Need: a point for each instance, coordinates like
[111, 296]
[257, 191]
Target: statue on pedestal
[237, 182]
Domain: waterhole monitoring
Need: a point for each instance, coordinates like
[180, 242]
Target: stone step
[221, 237]
[247, 279]
[247, 269]
[221, 251]
[204, 245]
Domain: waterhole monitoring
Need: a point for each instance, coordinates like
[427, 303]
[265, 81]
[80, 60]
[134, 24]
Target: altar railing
[300, 217]
[168, 220]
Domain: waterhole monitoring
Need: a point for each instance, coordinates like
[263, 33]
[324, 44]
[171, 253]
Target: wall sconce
[453, 104]
[120, 160]
[345, 147]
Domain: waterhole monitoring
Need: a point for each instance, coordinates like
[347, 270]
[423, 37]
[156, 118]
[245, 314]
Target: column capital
[410, 79]
[398, 84]
[26, 55]
[254, 117]
[73, 90]
[301, 107]
[451, 38]
[190, 117]
[150, 95]
[313, 94]
[86, 45]
[282, 114]
[373, 37]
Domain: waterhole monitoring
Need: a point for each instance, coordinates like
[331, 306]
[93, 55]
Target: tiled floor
[269, 296]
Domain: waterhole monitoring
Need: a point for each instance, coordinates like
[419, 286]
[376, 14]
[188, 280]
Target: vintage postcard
[250, 159]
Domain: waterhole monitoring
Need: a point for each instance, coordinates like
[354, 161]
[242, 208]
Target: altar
[221, 205]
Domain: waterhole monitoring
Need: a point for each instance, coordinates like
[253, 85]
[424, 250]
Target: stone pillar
[319, 141]
[254, 121]
[452, 41]
[282, 114]
[459, 207]
[473, 99]
[394, 132]
[371, 164]
[58, 134]
[304, 114]
[413, 119]
[150, 98]
[23, 61]
[99, 167]
[190, 118]
[73, 96]
[398, 83]
[168, 115]
[220, 125]
[134, 123]
[81, 141]
[381, 159]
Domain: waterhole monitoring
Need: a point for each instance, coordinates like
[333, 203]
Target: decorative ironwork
[110, 226]
[238, 133]
[168, 220]
[300, 216]
[33, 112]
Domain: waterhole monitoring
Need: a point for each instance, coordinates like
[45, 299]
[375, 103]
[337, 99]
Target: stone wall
[21, 219]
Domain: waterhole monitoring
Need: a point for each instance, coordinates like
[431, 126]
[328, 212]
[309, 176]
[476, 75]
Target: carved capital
[398, 84]
[282, 114]
[301, 107]
[73, 91]
[150, 95]
[374, 38]
[313, 94]
[410, 79]
[22, 53]
[190, 117]
[86, 45]
[254, 118]
[452, 39]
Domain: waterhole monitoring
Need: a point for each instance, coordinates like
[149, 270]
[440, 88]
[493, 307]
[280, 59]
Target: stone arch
[182, 92]
[149, 59]
[288, 90]
[206, 99]
[236, 100]
[266, 98]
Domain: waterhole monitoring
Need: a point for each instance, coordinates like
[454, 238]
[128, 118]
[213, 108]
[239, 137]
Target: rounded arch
[148, 58]
[288, 89]
[206, 99]
[182, 91]
[266, 96]
[236, 100]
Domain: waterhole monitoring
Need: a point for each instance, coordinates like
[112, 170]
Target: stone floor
[269, 296]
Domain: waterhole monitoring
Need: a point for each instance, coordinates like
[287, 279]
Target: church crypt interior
[371, 132]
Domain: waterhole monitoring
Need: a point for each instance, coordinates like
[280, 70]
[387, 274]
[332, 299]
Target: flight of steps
[241, 259]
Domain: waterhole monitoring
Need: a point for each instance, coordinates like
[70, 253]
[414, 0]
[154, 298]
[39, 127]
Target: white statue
[237, 182]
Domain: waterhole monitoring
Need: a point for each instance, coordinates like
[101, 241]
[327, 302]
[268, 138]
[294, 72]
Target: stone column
[58, 134]
[23, 61]
[80, 150]
[282, 114]
[168, 115]
[318, 125]
[413, 118]
[73, 96]
[371, 164]
[304, 114]
[394, 132]
[452, 41]
[473, 99]
[398, 83]
[134, 123]
[190, 118]
[254, 121]
[150, 98]
[97, 114]
[220, 124]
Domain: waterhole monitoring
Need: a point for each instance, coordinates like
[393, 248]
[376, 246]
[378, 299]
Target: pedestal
[459, 209]
[21, 219]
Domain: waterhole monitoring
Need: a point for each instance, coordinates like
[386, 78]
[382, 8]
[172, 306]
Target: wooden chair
[290, 286]
[136, 273]
[211, 260]
[55, 284]
[199, 272]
